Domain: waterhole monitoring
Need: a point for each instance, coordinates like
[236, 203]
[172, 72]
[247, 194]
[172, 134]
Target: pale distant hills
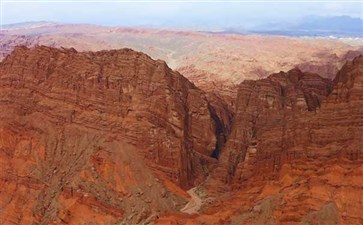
[211, 61]
[340, 26]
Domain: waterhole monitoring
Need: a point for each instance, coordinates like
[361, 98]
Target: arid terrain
[211, 61]
[102, 125]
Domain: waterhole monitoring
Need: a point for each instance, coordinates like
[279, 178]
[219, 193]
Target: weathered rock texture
[107, 137]
[295, 152]
[282, 130]
[264, 105]
[214, 62]
[78, 128]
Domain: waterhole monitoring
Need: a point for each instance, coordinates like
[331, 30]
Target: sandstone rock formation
[294, 155]
[113, 137]
[263, 105]
[214, 62]
[78, 128]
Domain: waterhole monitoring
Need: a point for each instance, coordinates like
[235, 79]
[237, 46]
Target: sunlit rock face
[116, 137]
[294, 154]
[216, 63]
[264, 104]
[84, 136]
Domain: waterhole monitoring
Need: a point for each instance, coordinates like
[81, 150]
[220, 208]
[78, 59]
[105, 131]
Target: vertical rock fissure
[220, 133]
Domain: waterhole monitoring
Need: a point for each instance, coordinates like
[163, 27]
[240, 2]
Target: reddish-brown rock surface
[294, 155]
[264, 104]
[78, 128]
[109, 137]
[214, 62]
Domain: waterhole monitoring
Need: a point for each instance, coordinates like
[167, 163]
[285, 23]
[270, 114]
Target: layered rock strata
[294, 155]
[82, 132]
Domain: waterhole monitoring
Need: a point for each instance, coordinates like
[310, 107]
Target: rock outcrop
[99, 134]
[265, 104]
[111, 136]
[214, 62]
[294, 155]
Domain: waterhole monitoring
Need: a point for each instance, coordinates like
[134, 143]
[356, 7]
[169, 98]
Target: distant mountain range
[311, 26]
[28, 25]
[340, 26]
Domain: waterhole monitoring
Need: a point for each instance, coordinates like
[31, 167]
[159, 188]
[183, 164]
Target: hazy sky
[201, 14]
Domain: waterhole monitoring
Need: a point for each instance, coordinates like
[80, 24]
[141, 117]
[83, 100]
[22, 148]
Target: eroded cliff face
[261, 106]
[99, 136]
[294, 155]
[216, 63]
[111, 136]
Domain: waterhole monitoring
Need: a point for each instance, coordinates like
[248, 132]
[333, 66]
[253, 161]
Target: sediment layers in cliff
[91, 134]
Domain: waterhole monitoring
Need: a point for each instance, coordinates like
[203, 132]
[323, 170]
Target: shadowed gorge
[116, 137]
[85, 123]
[294, 154]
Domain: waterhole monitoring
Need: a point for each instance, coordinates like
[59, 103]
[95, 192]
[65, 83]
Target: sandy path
[194, 204]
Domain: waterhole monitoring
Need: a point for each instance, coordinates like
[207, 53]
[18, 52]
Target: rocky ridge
[294, 155]
[216, 63]
[111, 136]
[82, 125]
